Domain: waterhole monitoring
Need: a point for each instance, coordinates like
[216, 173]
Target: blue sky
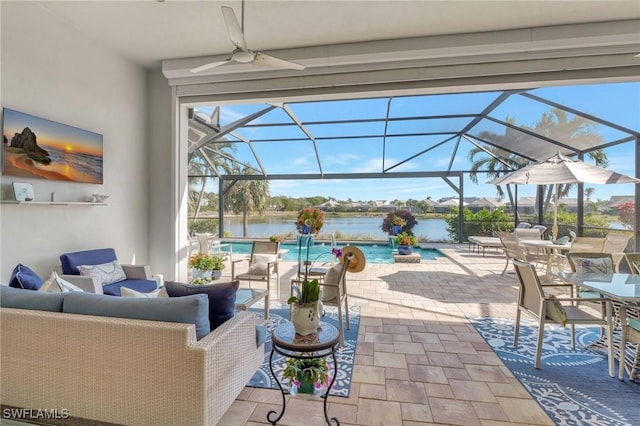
[619, 103]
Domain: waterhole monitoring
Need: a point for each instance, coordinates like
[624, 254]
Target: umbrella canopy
[559, 170]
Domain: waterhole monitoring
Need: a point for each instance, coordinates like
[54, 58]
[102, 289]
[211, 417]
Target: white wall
[161, 216]
[50, 70]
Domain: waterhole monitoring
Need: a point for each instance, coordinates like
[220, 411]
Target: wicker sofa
[125, 371]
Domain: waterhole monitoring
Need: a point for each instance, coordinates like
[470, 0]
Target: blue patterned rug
[572, 386]
[345, 356]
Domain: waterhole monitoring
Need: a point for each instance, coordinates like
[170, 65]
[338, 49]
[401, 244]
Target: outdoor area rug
[572, 386]
[279, 312]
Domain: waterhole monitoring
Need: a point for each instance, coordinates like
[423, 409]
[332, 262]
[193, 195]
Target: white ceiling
[149, 31]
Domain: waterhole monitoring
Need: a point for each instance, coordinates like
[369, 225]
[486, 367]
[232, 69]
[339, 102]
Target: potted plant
[276, 239]
[402, 218]
[310, 221]
[305, 313]
[306, 374]
[405, 243]
[206, 265]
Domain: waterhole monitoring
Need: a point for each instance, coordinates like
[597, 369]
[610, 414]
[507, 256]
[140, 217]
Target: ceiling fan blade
[235, 32]
[209, 66]
[270, 61]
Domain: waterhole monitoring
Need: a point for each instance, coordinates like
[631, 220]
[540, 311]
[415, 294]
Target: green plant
[312, 218]
[276, 239]
[202, 226]
[314, 370]
[404, 239]
[207, 262]
[309, 292]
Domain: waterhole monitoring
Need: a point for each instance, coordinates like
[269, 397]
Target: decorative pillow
[329, 293]
[128, 292]
[55, 284]
[222, 298]
[106, 273]
[23, 277]
[585, 265]
[259, 263]
[556, 311]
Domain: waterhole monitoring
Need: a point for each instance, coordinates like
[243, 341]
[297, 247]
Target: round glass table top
[285, 337]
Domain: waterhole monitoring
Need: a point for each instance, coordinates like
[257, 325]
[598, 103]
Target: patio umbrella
[559, 170]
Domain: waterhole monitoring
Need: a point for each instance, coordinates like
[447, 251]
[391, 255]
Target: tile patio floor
[418, 361]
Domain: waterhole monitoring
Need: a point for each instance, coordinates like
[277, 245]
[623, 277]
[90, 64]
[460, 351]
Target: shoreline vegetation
[17, 163]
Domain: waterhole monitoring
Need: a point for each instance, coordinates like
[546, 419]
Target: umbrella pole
[554, 230]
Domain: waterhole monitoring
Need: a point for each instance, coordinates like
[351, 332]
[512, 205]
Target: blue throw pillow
[23, 277]
[222, 298]
[188, 310]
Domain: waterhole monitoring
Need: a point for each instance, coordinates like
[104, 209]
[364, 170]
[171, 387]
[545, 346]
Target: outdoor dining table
[549, 247]
[622, 289]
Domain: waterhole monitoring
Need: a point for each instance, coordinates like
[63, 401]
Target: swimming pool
[321, 252]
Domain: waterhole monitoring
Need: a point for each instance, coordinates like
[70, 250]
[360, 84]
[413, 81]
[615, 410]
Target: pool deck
[418, 360]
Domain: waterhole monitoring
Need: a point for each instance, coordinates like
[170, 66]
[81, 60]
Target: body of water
[364, 227]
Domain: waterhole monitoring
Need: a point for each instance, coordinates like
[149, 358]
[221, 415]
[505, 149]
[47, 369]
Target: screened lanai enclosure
[453, 141]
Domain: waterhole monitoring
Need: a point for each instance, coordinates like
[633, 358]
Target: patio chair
[540, 228]
[633, 260]
[599, 263]
[630, 334]
[513, 250]
[263, 266]
[582, 245]
[616, 244]
[547, 308]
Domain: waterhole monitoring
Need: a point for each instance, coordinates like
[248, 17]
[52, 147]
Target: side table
[285, 342]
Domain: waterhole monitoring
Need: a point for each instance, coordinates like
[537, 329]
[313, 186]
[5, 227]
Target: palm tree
[207, 162]
[554, 124]
[248, 196]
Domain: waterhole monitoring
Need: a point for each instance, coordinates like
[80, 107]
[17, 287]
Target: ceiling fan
[242, 53]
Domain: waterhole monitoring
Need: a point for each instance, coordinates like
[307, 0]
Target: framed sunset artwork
[35, 147]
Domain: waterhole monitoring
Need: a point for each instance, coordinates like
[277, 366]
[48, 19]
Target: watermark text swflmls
[35, 413]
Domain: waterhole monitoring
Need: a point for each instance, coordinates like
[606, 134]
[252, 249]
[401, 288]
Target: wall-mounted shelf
[54, 203]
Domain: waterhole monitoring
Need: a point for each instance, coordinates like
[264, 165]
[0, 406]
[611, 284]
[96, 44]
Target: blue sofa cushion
[222, 298]
[27, 299]
[189, 310]
[23, 277]
[71, 261]
[141, 285]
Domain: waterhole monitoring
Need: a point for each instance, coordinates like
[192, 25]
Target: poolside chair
[263, 266]
[547, 308]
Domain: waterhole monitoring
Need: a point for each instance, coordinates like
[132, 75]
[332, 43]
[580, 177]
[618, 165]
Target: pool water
[321, 252]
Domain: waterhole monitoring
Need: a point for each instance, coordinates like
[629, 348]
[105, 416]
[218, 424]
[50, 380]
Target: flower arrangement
[335, 251]
[306, 374]
[310, 220]
[398, 221]
[207, 262]
[405, 239]
[396, 218]
[276, 238]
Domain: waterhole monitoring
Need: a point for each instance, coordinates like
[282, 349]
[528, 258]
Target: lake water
[358, 227]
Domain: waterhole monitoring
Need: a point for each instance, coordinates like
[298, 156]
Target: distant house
[526, 205]
[485, 203]
[445, 206]
[611, 206]
[569, 204]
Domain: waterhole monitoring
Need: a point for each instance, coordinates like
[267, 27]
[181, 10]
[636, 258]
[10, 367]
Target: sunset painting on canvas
[34, 147]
